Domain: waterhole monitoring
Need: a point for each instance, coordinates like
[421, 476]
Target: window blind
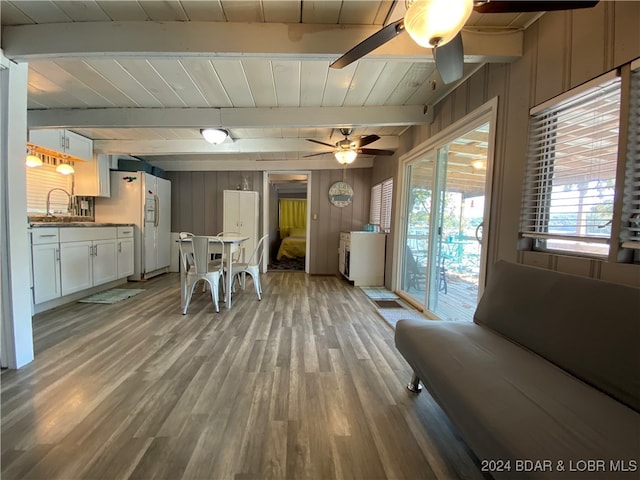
[381, 201]
[40, 180]
[385, 205]
[630, 230]
[376, 200]
[571, 166]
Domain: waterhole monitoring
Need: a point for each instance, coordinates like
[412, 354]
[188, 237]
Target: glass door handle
[478, 231]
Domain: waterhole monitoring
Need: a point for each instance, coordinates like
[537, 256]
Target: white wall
[17, 333]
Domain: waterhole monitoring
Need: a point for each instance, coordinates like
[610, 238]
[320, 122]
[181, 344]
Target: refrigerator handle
[156, 220]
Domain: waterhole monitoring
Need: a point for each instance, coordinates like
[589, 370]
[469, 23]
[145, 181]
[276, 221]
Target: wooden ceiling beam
[285, 117]
[200, 146]
[235, 40]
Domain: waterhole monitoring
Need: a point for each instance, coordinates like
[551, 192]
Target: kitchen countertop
[77, 224]
[69, 221]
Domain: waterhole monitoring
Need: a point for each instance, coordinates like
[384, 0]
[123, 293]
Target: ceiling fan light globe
[433, 23]
[345, 157]
[214, 135]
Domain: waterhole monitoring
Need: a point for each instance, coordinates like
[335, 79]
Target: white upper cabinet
[63, 141]
[92, 179]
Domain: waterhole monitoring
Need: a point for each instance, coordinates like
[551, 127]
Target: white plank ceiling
[142, 77]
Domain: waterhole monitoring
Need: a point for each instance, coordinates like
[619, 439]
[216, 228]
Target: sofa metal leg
[414, 385]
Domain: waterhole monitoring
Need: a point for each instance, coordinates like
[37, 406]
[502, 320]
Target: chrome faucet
[49, 214]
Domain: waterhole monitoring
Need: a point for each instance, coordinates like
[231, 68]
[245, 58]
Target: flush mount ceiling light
[65, 169]
[433, 23]
[345, 157]
[214, 135]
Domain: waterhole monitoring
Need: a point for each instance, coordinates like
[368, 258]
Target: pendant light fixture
[214, 135]
[32, 159]
[65, 169]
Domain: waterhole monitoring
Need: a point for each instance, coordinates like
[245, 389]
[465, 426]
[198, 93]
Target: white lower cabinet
[104, 261]
[75, 266]
[125, 251]
[67, 260]
[45, 264]
[86, 264]
[87, 257]
[361, 257]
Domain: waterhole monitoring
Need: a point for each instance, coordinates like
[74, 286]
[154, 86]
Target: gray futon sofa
[545, 383]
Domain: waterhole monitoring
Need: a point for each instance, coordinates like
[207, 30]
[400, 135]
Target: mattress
[292, 247]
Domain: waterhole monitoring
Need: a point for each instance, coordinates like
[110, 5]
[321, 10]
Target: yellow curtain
[293, 214]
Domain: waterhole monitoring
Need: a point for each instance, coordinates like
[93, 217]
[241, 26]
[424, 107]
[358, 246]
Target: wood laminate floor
[306, 384]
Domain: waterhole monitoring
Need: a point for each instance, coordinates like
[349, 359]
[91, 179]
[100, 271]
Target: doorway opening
[287, 220]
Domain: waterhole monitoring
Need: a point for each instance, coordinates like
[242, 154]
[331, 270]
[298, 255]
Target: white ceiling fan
[437, 24]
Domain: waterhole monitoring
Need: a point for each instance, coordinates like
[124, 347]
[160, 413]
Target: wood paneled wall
[325, 231]
[196, 206]
[562, 50]
[196, 199]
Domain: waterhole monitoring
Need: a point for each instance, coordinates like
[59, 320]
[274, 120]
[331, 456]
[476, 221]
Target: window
[42, 179]
[571, 169]
[630, 231]
[381, 199]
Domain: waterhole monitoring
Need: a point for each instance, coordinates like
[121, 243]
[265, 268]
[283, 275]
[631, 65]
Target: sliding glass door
[445, 213]
[416, 248]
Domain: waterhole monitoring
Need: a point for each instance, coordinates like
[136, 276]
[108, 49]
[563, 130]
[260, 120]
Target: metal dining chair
[237, 255]
[203, 269]
[251, 267]
[185, 250]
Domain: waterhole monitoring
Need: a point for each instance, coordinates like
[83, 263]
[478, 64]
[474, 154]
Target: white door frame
[487, 112]
[265, 210]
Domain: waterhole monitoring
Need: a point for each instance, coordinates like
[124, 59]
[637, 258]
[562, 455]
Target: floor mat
[112, 296]
[392, 315]
[378, 293]
[387, 304]
[288, 264]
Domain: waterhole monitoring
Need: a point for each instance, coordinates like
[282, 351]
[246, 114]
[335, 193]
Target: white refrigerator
[145, 201]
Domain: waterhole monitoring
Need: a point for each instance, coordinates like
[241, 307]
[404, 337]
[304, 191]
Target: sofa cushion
[510, 404]
[588, 327]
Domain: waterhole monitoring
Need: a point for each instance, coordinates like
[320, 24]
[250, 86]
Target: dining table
[232, 243]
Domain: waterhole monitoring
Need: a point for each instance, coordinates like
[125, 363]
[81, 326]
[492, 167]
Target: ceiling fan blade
[450, 59]
[369, 44]
[315, 154]
[367, 139]
[321, 143]
[374, 151]
[500, 6]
